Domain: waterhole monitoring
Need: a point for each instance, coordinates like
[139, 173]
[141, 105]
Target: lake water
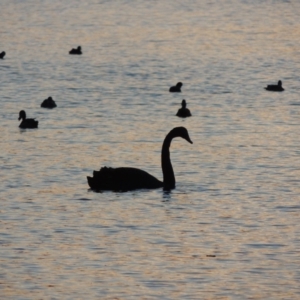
[230, 229]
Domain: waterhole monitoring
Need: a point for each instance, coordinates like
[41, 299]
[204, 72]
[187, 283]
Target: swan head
[279, 83]
[179, 84]
[79, 48]
[183, 103]
[22, 115]
[181, 132]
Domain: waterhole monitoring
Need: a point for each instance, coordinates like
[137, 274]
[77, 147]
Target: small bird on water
[27, 123]
[275, 87]
[183, 112]
[76, 51]
[176, 88]
[48, 103]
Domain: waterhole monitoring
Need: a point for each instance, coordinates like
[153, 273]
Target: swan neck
[167, 169]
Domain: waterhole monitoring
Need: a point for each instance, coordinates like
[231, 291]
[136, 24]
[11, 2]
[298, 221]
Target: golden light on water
[229, 229]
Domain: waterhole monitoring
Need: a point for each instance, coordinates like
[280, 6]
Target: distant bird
[76, 51]
[48, 103]
[27, 123]
[2, 54]
[176, 88]
[183, 112]
[275, 87]
[128, 179]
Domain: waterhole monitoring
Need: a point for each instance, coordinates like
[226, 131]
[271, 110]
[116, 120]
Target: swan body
[76, 51]
[48, 103]
[122, 179]
[27, 123]
[127, 179]
[275, 87]
[183, 112]
[2, 54]
[176, 88]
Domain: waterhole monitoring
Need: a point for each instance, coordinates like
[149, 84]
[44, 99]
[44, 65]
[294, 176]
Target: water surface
[230, 229]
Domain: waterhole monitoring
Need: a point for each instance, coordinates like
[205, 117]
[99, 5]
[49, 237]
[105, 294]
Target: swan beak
[19, 118]
[189, 140]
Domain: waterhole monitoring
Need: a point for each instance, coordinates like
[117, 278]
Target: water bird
[2, 54]
[127, 179]
[275, 87]
[76, 51]
[27, 123]
[176, 88]
[183, 112]
[48, 103]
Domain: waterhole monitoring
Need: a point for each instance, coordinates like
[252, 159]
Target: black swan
[126, 179]
[275, 87]
[48, 103]
[27, 123]
[176, 88]
[2, 54]
[183, 112]
[76, 51]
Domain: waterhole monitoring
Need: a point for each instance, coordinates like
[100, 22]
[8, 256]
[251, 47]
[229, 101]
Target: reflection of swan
[126, 179]
[183, 112]
[2, 54]
[76, 51]
[176, 88]
[48, 103]
[275, 87]
[27, 123]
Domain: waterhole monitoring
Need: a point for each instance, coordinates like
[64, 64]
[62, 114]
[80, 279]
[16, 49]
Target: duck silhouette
[275, 87]
[48, 103]
[2, 54]
[183, 112]
[176, 88]
[76, 51]
[27, 123]
[127, 179]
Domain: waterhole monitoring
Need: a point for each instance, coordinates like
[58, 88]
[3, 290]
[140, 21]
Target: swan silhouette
[275, 87]
[2, 54]
[48, 103]
[126, 179]
[183, 112]
[176, 88]
[27, 123]
[76, 51]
